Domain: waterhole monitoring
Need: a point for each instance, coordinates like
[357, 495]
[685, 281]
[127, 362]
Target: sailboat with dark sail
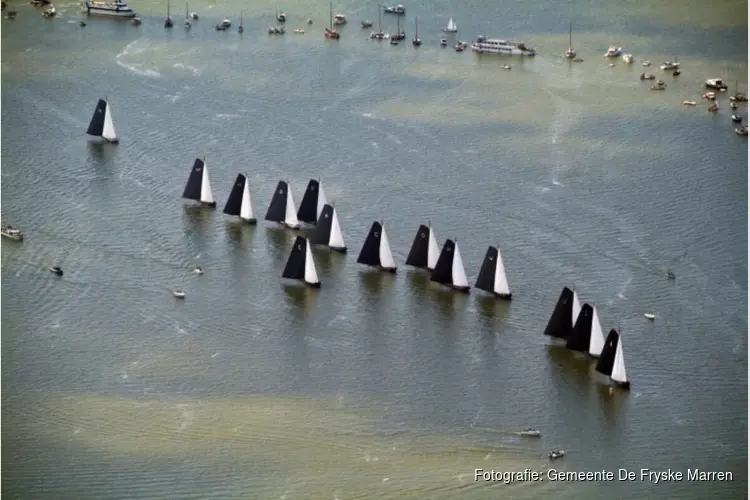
[328, 230]
[281, 209]
[312, 202]
[587, 335]
[198, 186]
[101, 124]
[563, 319]
[492, 276]
[424, 250]
[449, 270]
[376, 251]
[330, 32]
[612, 361]
[300, 265]
[239, 203]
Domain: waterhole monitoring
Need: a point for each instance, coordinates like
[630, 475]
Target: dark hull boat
[198, 187]
[376, 251]
[492, 277]
[328, 230]
[424, 251]
[562, 321]
[281, 209]
[300, 265]
[101, 124]
[239, 203]
[449, 270]
[612, 362]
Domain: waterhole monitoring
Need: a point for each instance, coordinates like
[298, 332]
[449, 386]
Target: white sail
[433, 251]
[336, 239]
[290, 218]
[246, 208]
[618, 368]
[311, 276]
[386, 257]
[501, 281]
[451, 25]
[576, 308]
[206, 195]
[459, 274]
[109, 127]
[596, 342]
[321, 199]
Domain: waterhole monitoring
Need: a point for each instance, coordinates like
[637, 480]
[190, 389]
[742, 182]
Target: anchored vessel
[118, 8]
[497, 46]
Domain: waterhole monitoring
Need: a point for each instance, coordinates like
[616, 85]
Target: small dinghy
[505, 66]
[530, 433]
[178, 294]
[56, 270]
[676, 72]
[647, 76]
[11, 233]
[736, 118]
[649, 316]
[646, 64]
[741, 131]
[689, 103]
[197, 271]
[443, 42]
[555, 454]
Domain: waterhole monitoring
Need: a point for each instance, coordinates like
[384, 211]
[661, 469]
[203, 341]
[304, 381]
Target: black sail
[607, 359]
[308, 208]
[419, 249]
[443, 272]
[234, 203]
[295, 265]
[580, 338]
[195, 181]
[370, 253]
[96, 125]
[560, 323]
[277, 207]
[322, 234]
[486, 278]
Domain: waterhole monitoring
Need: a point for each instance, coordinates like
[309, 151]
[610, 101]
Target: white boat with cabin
[716, 83]
[497, 46]
[11, 233]
[118, 8]
[628, 58]
[613, 51]
[395, 9]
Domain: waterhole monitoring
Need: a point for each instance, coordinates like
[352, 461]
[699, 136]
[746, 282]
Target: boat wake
[132, 49]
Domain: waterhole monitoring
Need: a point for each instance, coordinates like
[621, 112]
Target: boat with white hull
[118, 8]
[497, 46]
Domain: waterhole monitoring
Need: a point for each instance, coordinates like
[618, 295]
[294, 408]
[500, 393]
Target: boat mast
[416, 28]
[570, 36]
[187, 8]
[167, 9]
[330, 16]
[380, 13]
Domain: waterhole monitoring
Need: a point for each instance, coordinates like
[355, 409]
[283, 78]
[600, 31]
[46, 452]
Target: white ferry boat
[497, 46]
[118, 8]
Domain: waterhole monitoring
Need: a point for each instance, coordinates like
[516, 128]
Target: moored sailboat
[330, 32]
[416, 41]
[168, 21]
[570, 53]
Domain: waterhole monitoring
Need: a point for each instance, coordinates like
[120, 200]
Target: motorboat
[709, 95]
[194, 16]
[530, 433]
[331, 33]
[555, 454]
[498, 46]
[659, 85]
[689, 103]
[716, 83]
[366, 23]
[670, 65]
[276, 30]
[309, 22]
[136, 20]
[613, 51]
[226, 23]
[395, 9]
[198, 271]
[281, 17]
[178, 294]
[459, 47]
[378, 35]
[713, 108]
[647, 76]
[443, 42]
[733, 105]
[49, 12]
[649, 316]
[56, 270]
[394, 41]
[628, 58]
[676, 72]
[741, 131]
[505, 66]
[646, 64]
[739, 97]
[299, 31]
[736, 118]
[11, 233]
[339, 20]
